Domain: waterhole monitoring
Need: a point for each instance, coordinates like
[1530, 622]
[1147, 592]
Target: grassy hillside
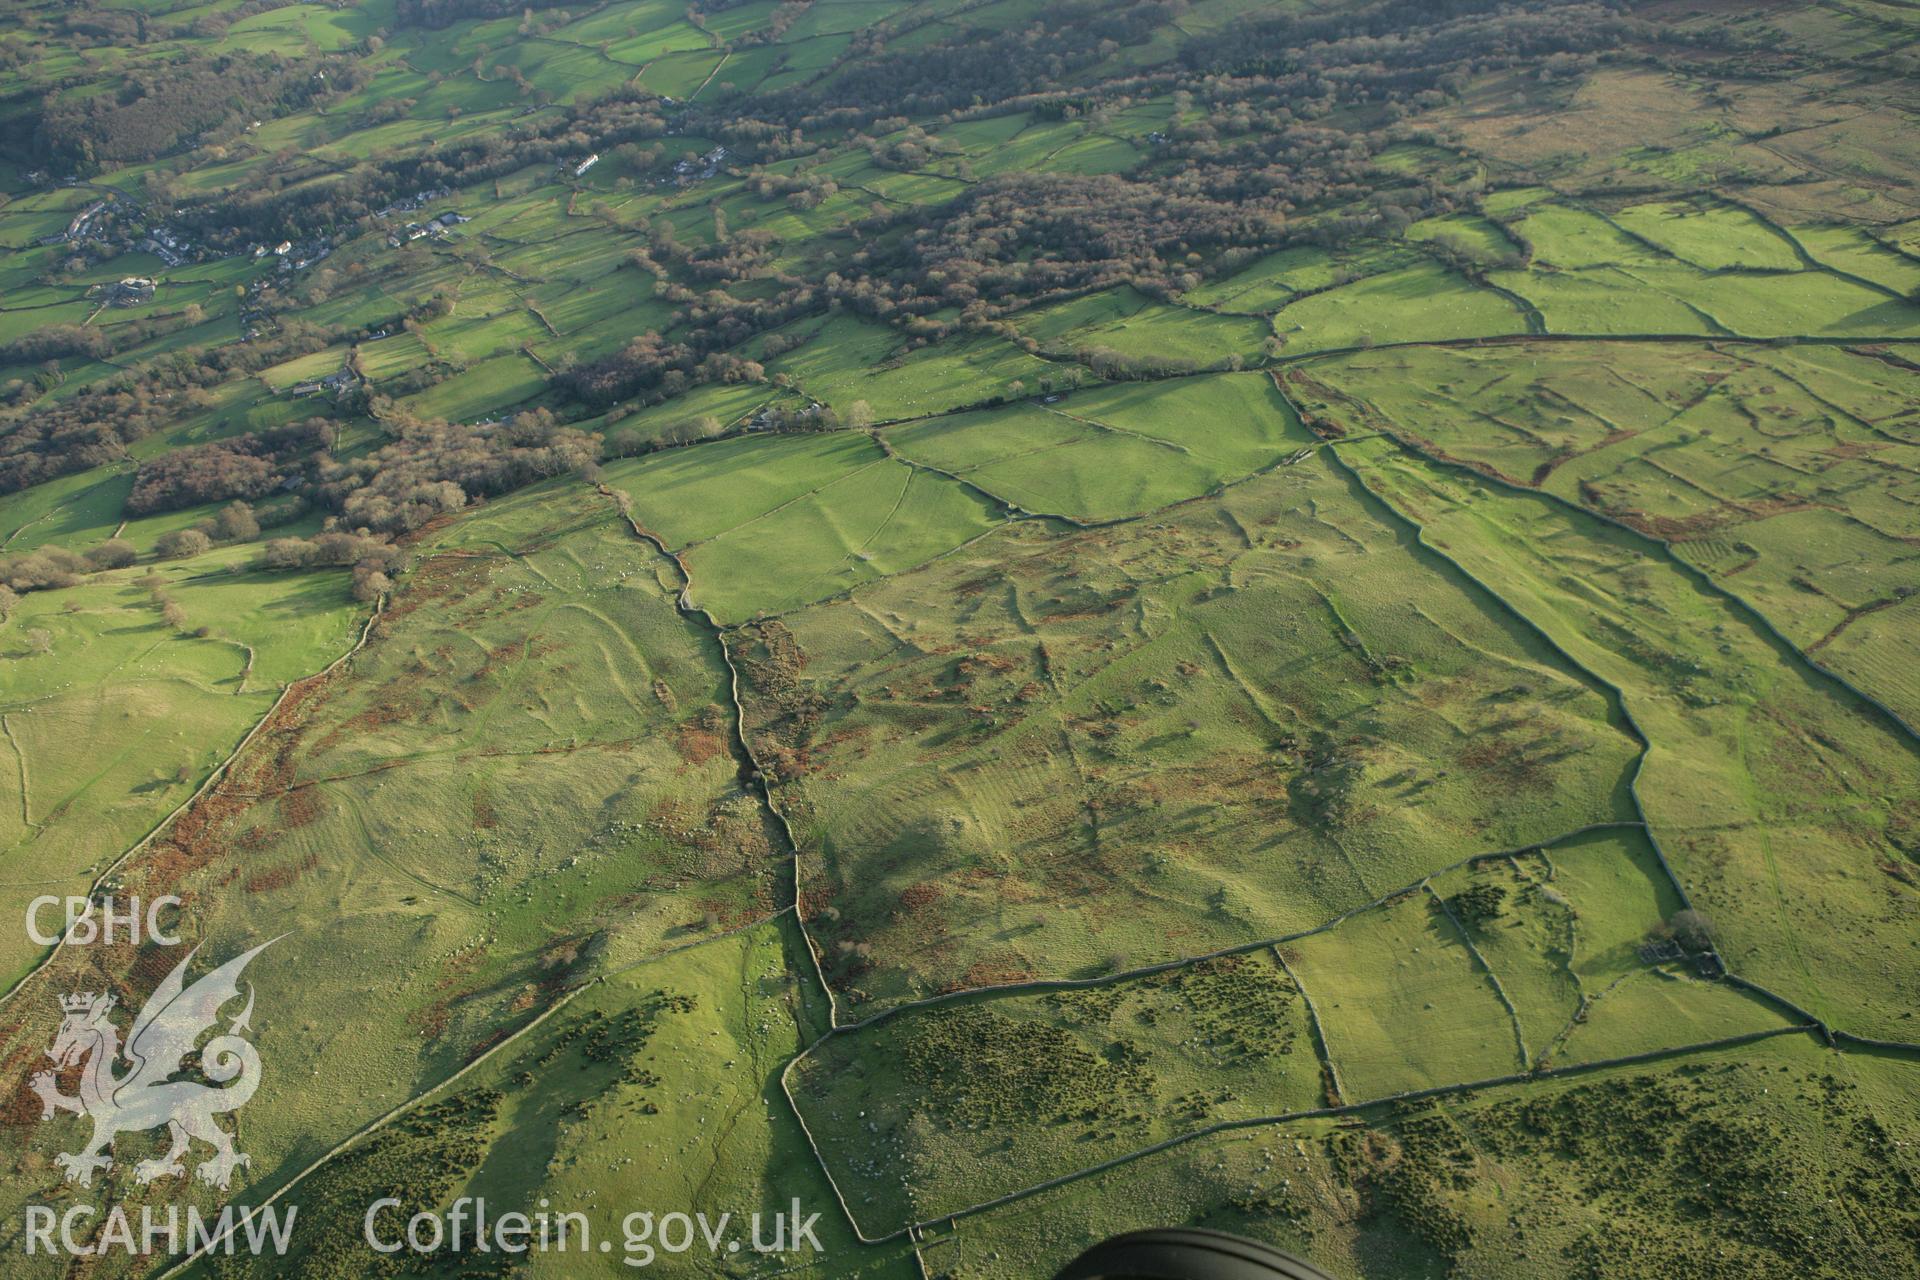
[1012, 619]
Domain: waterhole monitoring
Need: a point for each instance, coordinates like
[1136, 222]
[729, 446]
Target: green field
[765, 524]
[534, 667]
[1734, 459]
[1194, 732]
[114, 716]
[1414, 304]
[996, 621]
[1137, 328]
[1717, 785]
[977, 1098]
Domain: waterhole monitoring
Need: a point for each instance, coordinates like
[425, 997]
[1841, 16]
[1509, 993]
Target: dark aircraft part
[1186, 1254]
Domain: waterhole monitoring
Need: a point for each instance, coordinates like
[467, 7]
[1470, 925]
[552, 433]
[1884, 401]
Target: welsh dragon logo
[145, 1095]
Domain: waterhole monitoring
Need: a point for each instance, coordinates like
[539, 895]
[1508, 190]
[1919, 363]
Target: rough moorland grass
[659, 1084]
[1783, 474]
[1797, 861]
[949, 1106]
[524, 776]
[1818, 1118]
[112, 716]
[1278, 1184]
[1232, 722]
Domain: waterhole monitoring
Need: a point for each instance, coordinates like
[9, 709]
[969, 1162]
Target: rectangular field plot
[1711, 236]
[1105, 453]
[1478, 240]
[1570, 238]
[1236, 423]
[1803, 303]
[112, 715]
[1663, 1007]
[766, 523]
[1863, 256]
[1794, 859]
[1271, 282]
[1786, 475]
[72, 511]
[1602, 300]
[846, 361]
[488, 388]
[691, 495]
[873, 522]
[1412, 304]
[936, 1109]
[1049, 462]
[1135, 327]
[1402, 1002]
[1158, 739]
[1578, 936]
[1524, 928]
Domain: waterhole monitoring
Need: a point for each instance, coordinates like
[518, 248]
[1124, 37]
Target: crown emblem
[78, 1002]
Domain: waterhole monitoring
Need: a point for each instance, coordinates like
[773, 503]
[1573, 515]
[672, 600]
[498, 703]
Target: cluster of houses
[436, 227]
[253, 311]
[168, 246]
[696, 168]
[133, 291]
[292, 257]
[333, 384]
[85, 225]
[779, 417]
[164, 243]
[82, 224]
[418, 200]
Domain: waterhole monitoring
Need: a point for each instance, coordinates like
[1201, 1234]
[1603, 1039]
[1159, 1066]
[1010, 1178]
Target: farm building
[130, 292]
